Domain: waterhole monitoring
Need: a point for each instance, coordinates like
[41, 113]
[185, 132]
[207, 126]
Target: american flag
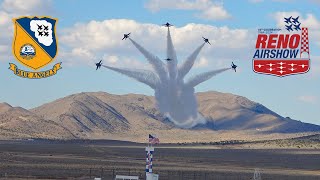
[153, 139]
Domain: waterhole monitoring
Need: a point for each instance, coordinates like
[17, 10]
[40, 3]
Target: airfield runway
[85, 160]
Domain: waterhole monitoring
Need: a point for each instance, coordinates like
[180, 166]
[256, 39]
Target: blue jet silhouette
[125, 36]
[206, 40]
[297, 27]
[98, 65]
[167, 24]
[288, 20]
[289, 28]
[233, 66]
[295, 20]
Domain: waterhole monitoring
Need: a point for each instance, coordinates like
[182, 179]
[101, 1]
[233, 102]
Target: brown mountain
[16, 123]
[100, 115]
[103, 115]
[232, 112]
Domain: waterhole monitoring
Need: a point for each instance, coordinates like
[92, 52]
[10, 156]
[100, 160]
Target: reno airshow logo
[282, 54]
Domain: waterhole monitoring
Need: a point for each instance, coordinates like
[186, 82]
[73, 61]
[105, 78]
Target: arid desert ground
[89, 159]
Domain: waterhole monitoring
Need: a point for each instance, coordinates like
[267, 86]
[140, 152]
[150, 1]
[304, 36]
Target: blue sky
[91, 30]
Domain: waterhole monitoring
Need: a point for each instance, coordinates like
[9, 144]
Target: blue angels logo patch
[35, 45]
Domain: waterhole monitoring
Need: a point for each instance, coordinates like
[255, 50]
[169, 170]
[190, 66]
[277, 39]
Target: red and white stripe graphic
[281, 67]
[304, 41]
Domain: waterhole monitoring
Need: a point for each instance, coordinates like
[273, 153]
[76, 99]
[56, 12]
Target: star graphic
[270, 64]
[303, 65]
[292, 64]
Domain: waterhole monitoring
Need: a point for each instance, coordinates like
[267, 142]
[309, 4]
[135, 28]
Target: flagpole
[148, 142]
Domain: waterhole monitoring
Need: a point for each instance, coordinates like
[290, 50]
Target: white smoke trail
[155, 62]
[187, 65]
[171, 54]
[144, 76]
[175, 98]
[190, 122]
[194, 81]
[172, 87]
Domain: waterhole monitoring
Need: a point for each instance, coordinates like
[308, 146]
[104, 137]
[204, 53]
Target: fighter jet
[297, 27]
[295, 20]
[206, 40]
[289, 28]
[46, 28]
[40, 33]
[125, 36]
[168, 59]
[288, 20]
[39, 27]
[167, 24]
[233, 66]
[98, 64]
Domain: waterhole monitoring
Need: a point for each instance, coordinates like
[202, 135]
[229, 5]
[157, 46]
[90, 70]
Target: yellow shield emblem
[35, 41]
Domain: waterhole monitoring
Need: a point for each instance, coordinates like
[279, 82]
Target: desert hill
[16, 123]
[99, 115]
